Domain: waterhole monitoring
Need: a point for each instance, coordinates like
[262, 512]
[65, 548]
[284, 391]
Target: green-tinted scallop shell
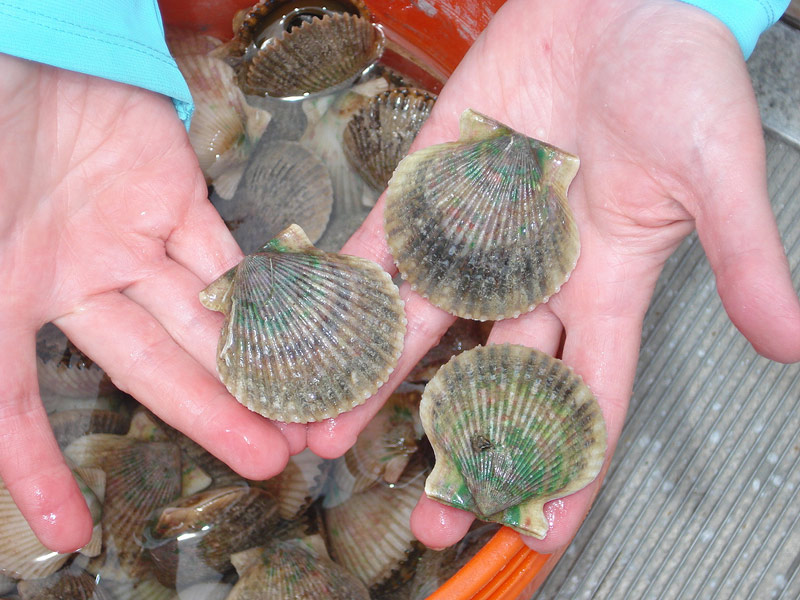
[380, 134]
[307, 334]
[511, 428]
[481, 227]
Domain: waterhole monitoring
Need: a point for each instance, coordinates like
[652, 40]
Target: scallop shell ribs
[307, 334]
[481, 227]
[511, 428]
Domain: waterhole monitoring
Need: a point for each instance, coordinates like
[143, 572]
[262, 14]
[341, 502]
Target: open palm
[655, 99]
[105, 230]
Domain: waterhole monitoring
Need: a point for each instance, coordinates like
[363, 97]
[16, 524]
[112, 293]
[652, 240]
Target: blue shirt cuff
[121, 41]
[747, 19]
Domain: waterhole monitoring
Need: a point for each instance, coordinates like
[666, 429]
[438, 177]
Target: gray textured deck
[703, 496]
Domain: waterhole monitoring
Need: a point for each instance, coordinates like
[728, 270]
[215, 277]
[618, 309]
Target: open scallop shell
[511, 428]
[315, 56]
[283, 183]
[297, 569]
[481, 227]
[307, 334]
[380, 134]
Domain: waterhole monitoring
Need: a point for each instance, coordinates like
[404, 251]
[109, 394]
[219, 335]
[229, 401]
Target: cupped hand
[105, 230]
[655, 99]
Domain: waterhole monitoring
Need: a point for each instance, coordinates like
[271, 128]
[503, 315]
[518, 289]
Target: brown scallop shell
[380, 134]
[307, 334]
[64, 370]
[71, 583]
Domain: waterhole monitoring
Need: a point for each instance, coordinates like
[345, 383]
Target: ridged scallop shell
[140, 477]
[69, 425]
[511, 428]
[380, 134]
[64, 370]
[224, 126]
[300, 483]
[192, 539]
[295, 569]
[283, 183]
[307, 334]
[369, 534]
[71, 583]
[481, 227]
[22, 555]
[315, 56]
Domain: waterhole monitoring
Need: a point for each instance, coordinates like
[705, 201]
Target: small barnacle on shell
[481, 226]
[511, 428]
[307, 334]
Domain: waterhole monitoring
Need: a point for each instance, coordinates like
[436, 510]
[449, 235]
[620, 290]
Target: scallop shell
[295, 569]
[224, 126]
[307, 334]
[511, 428]
[64, 370]
[72, 583]
[283, 183]
[192, 539]
[22, 555]
[140, 477]
[300, 483]
[481, 227]
[373, 552]
[69, 425]
[317, 55]
[380, 134]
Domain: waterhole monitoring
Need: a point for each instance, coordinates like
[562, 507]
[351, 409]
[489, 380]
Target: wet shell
[307, 334]
[192, 539]
[375, 551]
[380, 134]
[511, 428]
[69, 425]
[64, 370]
[315, 56]
[140, 477]
[283, 183]
[300, 483]
[295, 569]
[224, 127]
[481, 227]
[72, 583]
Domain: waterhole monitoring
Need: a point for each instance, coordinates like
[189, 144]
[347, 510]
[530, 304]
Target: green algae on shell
[511, 428]
[481, 226]
[307, 334]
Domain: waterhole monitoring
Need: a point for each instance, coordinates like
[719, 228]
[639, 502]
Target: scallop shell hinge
[511, 428]
[481, 226]
[307, 334]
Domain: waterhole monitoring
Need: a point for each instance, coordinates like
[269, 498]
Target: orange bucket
[428, 46]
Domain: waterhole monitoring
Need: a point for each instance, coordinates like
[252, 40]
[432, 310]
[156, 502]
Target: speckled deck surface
[703, 496]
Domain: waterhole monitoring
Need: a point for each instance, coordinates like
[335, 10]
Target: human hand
[105, 230]
[655, 99]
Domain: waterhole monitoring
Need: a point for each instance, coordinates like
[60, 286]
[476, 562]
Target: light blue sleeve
[114, 39]
[747, 19]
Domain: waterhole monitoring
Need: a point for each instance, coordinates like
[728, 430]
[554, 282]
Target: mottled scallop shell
[373, 552]
[192, 539]
[315, 56]
[297, 569]
[224, 126]
[511, 428]
[380, 134]
[307, 334]
[481, 227]
[283, 183]
[64, 370]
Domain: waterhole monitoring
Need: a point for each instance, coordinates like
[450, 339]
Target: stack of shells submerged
[298, 157]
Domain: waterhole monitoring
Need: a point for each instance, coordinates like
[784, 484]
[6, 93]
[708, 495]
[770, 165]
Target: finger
[437, 525]
[369, 240]
[201, 242]
[426, 325]
[737, 228]
[31, 464]
[143, 360]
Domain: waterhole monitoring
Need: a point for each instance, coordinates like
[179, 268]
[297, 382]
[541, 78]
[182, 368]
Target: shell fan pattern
[481, 227]
[307, 334]
[511, 428]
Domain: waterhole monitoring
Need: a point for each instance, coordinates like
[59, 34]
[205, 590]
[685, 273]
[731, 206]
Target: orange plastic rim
[437, 40]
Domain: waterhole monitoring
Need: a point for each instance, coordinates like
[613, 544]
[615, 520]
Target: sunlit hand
[655, 99]
[106, 231]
